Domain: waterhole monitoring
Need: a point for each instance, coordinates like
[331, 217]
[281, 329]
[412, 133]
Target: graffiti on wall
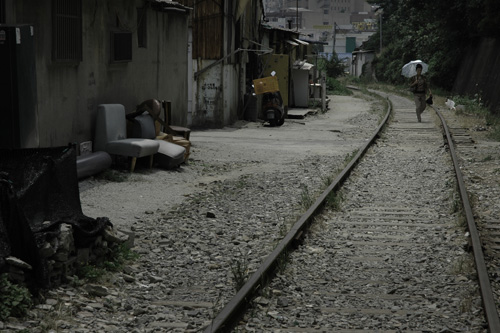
[209, 102]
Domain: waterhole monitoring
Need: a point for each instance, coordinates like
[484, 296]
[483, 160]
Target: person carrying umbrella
[420, 87]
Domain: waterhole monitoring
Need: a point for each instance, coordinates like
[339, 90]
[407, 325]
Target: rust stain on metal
[208, 27]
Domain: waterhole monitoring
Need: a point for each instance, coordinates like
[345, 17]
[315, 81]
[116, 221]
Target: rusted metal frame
[208, 31]
[233, 309]
[489, 305]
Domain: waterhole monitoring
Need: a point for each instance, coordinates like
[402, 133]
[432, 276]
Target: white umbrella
[410, 69]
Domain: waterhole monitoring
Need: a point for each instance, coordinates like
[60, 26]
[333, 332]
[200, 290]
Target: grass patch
[336, 87]
[349, 157]
[114, 261]
[239, 269]
[306, 200]
[334, 200]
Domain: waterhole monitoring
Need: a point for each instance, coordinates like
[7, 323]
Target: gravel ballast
[219, 214]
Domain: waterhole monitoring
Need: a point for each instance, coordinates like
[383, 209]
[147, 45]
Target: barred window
[67, 30]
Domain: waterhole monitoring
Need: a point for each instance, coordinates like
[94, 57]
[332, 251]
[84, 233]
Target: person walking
[420, 87]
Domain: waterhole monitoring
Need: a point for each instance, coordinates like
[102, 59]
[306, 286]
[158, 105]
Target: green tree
[334, 67]
[436, 32]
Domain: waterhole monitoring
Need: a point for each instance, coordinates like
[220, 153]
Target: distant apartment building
[340, 25]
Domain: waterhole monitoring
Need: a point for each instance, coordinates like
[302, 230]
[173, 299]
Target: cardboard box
[266, 85]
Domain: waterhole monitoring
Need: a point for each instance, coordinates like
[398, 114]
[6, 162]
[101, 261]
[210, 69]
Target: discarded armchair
[169, 155]
[111, 135]
[164, 130]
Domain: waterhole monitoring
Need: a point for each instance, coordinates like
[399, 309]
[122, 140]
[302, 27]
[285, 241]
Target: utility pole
[297, 14]
[380, 12]
[334, 35]
[380, 15]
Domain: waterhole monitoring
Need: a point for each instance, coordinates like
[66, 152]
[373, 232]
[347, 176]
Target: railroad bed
[393, 257]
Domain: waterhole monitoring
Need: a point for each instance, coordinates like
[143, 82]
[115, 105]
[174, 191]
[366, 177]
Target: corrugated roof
[270, 27]
[302, 64]
[300, 41]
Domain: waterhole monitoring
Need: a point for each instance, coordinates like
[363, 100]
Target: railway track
[393, 258]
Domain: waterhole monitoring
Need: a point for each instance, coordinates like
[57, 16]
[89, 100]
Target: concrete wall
[209, 101]
[68, 94]
[218, 91]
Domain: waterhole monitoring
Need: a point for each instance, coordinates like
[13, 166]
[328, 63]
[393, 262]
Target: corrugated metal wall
[208, 28]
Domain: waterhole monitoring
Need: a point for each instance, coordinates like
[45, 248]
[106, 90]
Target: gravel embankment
[225, 209]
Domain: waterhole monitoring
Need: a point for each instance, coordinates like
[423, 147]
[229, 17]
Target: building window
[121, 46]
[142, 31]
[67, 30]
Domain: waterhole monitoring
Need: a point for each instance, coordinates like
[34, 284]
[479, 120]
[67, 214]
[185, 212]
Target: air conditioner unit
[121, 46]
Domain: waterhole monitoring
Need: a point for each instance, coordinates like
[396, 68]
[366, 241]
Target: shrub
[15, 301]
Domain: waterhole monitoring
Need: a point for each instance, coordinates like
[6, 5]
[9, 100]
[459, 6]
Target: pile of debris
[44, 235]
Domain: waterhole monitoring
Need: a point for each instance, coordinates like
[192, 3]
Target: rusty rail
[225, 320]
[232, 311]
[489, 305]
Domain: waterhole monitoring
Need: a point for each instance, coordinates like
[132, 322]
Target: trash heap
[44, 235]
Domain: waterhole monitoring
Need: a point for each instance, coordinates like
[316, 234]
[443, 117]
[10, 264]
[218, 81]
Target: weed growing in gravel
[239, 269]
[114, 262]
[217, 306]
[334, 200]
[52, 318]
[466, 304]
[306, 199]
[91, 273]
[327, 180]
[456, 204]
[283, 230]
[242, 182]
[464, 266]
[487, 158]
[283, 261]
[349, 157]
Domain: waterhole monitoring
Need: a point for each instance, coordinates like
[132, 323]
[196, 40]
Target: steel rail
[489, 305]
[228, 316]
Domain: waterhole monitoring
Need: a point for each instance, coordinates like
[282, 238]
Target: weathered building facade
[224, 32]
[93, 52]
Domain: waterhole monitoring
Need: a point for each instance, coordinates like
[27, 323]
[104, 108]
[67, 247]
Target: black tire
[279, 121]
